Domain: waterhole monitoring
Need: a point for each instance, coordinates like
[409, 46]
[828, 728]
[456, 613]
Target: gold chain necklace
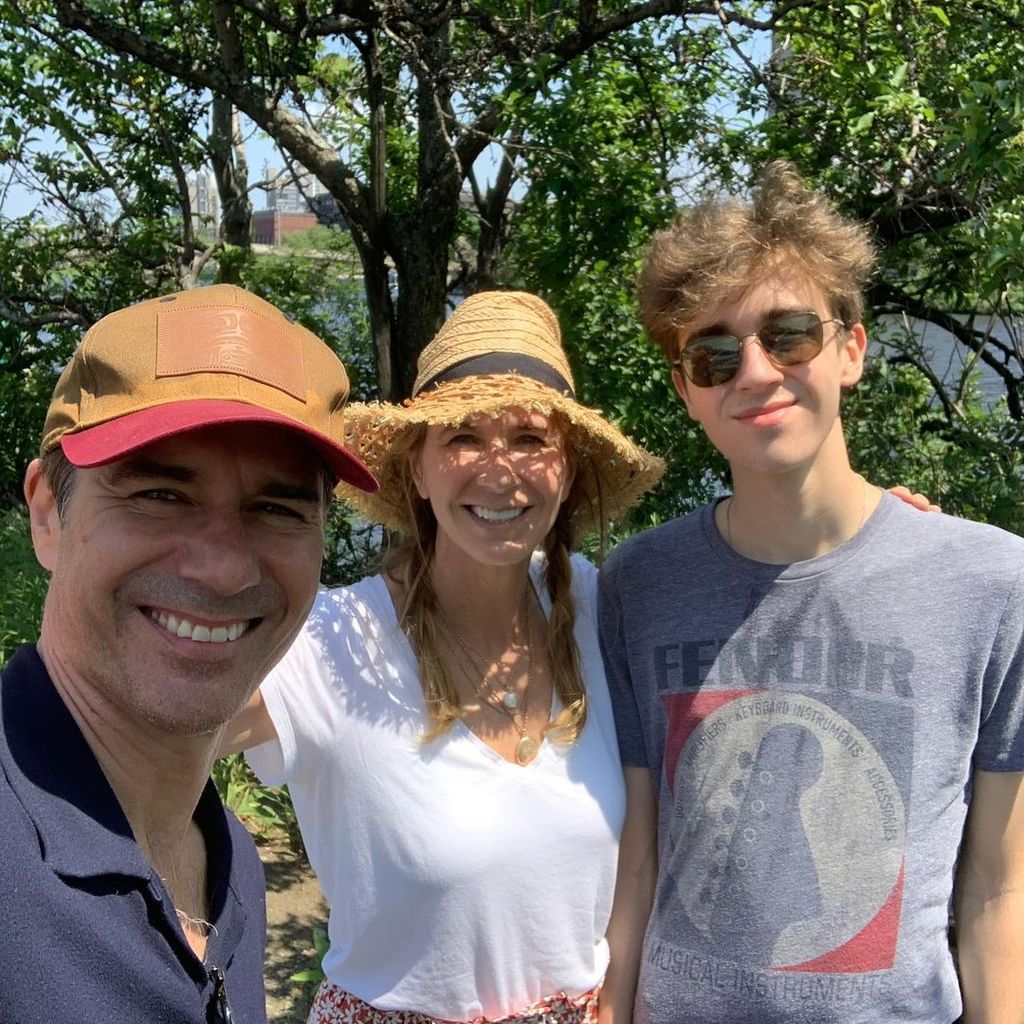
[508, 697]
[527, 747]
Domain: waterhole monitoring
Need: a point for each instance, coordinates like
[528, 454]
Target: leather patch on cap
[211, 339]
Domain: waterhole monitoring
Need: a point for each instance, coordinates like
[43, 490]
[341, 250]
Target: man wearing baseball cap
[188, 455]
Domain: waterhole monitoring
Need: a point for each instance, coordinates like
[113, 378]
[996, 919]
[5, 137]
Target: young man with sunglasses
[819, 691]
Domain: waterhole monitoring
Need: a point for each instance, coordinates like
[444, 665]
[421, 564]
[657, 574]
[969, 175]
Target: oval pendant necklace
[507, 702]
[526, 749]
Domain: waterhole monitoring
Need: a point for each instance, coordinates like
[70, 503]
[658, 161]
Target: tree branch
[31, 321]
[579, 41]
[305, 144]
[755, 73]
[226, 26]
[911, 215]
[378, 127]
[188, 241]
[493, 222]
[887, 298]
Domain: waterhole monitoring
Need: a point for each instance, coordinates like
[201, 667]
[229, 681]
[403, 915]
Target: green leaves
[973, 466]
[312, 976]
[21, 602]
[863, 123]
[909, 113]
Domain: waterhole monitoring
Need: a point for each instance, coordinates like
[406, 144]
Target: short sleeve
[584, 586]
[274, 761]
[1000, 746]
[611, 632]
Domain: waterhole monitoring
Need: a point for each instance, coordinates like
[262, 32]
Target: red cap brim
[107, 442]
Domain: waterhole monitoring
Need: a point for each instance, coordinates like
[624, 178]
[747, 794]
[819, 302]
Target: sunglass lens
[786, 340]
[790, 340]
[713, 360]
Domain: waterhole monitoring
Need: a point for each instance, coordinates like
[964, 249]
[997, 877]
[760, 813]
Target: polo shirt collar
[81, 826]
[82, 830]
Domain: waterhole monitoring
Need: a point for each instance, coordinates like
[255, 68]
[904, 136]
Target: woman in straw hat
[445, 728]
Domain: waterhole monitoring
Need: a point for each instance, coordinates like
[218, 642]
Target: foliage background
[600, 119]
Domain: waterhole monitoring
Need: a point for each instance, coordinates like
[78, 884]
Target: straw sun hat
[498, 350]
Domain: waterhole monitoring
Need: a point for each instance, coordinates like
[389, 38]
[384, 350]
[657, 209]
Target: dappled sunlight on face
[495, 483]
[532, 441]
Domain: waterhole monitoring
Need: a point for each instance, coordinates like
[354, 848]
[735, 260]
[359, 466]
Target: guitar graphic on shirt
[787, 833]
[765, 879]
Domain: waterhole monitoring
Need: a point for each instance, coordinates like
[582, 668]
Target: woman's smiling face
[495, 483]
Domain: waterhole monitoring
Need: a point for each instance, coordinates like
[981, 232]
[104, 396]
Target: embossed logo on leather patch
[216, 340]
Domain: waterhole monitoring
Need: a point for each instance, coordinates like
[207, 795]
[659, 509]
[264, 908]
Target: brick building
[270, 226]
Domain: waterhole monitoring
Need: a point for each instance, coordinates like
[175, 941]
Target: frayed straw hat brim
[612, 471]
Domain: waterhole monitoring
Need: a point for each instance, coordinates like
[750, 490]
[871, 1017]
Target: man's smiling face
[182, 573]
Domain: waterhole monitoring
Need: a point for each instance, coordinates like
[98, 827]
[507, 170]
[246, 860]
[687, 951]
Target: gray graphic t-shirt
[813, 728]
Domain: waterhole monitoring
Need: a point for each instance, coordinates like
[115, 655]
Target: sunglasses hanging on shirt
[789, 340]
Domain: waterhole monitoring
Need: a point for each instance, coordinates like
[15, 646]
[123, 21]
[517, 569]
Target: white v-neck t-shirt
[460, 884]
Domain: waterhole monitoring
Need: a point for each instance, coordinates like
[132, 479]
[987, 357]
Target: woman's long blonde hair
[421, 620]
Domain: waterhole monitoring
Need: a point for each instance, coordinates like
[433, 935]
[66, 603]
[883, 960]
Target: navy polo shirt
[88, 932]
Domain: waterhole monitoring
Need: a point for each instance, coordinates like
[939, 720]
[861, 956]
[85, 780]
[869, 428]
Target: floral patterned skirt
[334, 1005]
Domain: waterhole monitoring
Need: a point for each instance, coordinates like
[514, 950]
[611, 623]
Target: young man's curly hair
[722, 247]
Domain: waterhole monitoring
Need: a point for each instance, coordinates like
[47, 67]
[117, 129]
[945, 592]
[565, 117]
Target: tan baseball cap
[195, 359]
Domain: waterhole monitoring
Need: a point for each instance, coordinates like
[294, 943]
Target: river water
[946, 356]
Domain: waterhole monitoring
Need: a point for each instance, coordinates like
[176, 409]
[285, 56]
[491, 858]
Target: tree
[911, 114]
[908, 114]
[603, 117]
[106, 147]
[605, 170]
[390, 105]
